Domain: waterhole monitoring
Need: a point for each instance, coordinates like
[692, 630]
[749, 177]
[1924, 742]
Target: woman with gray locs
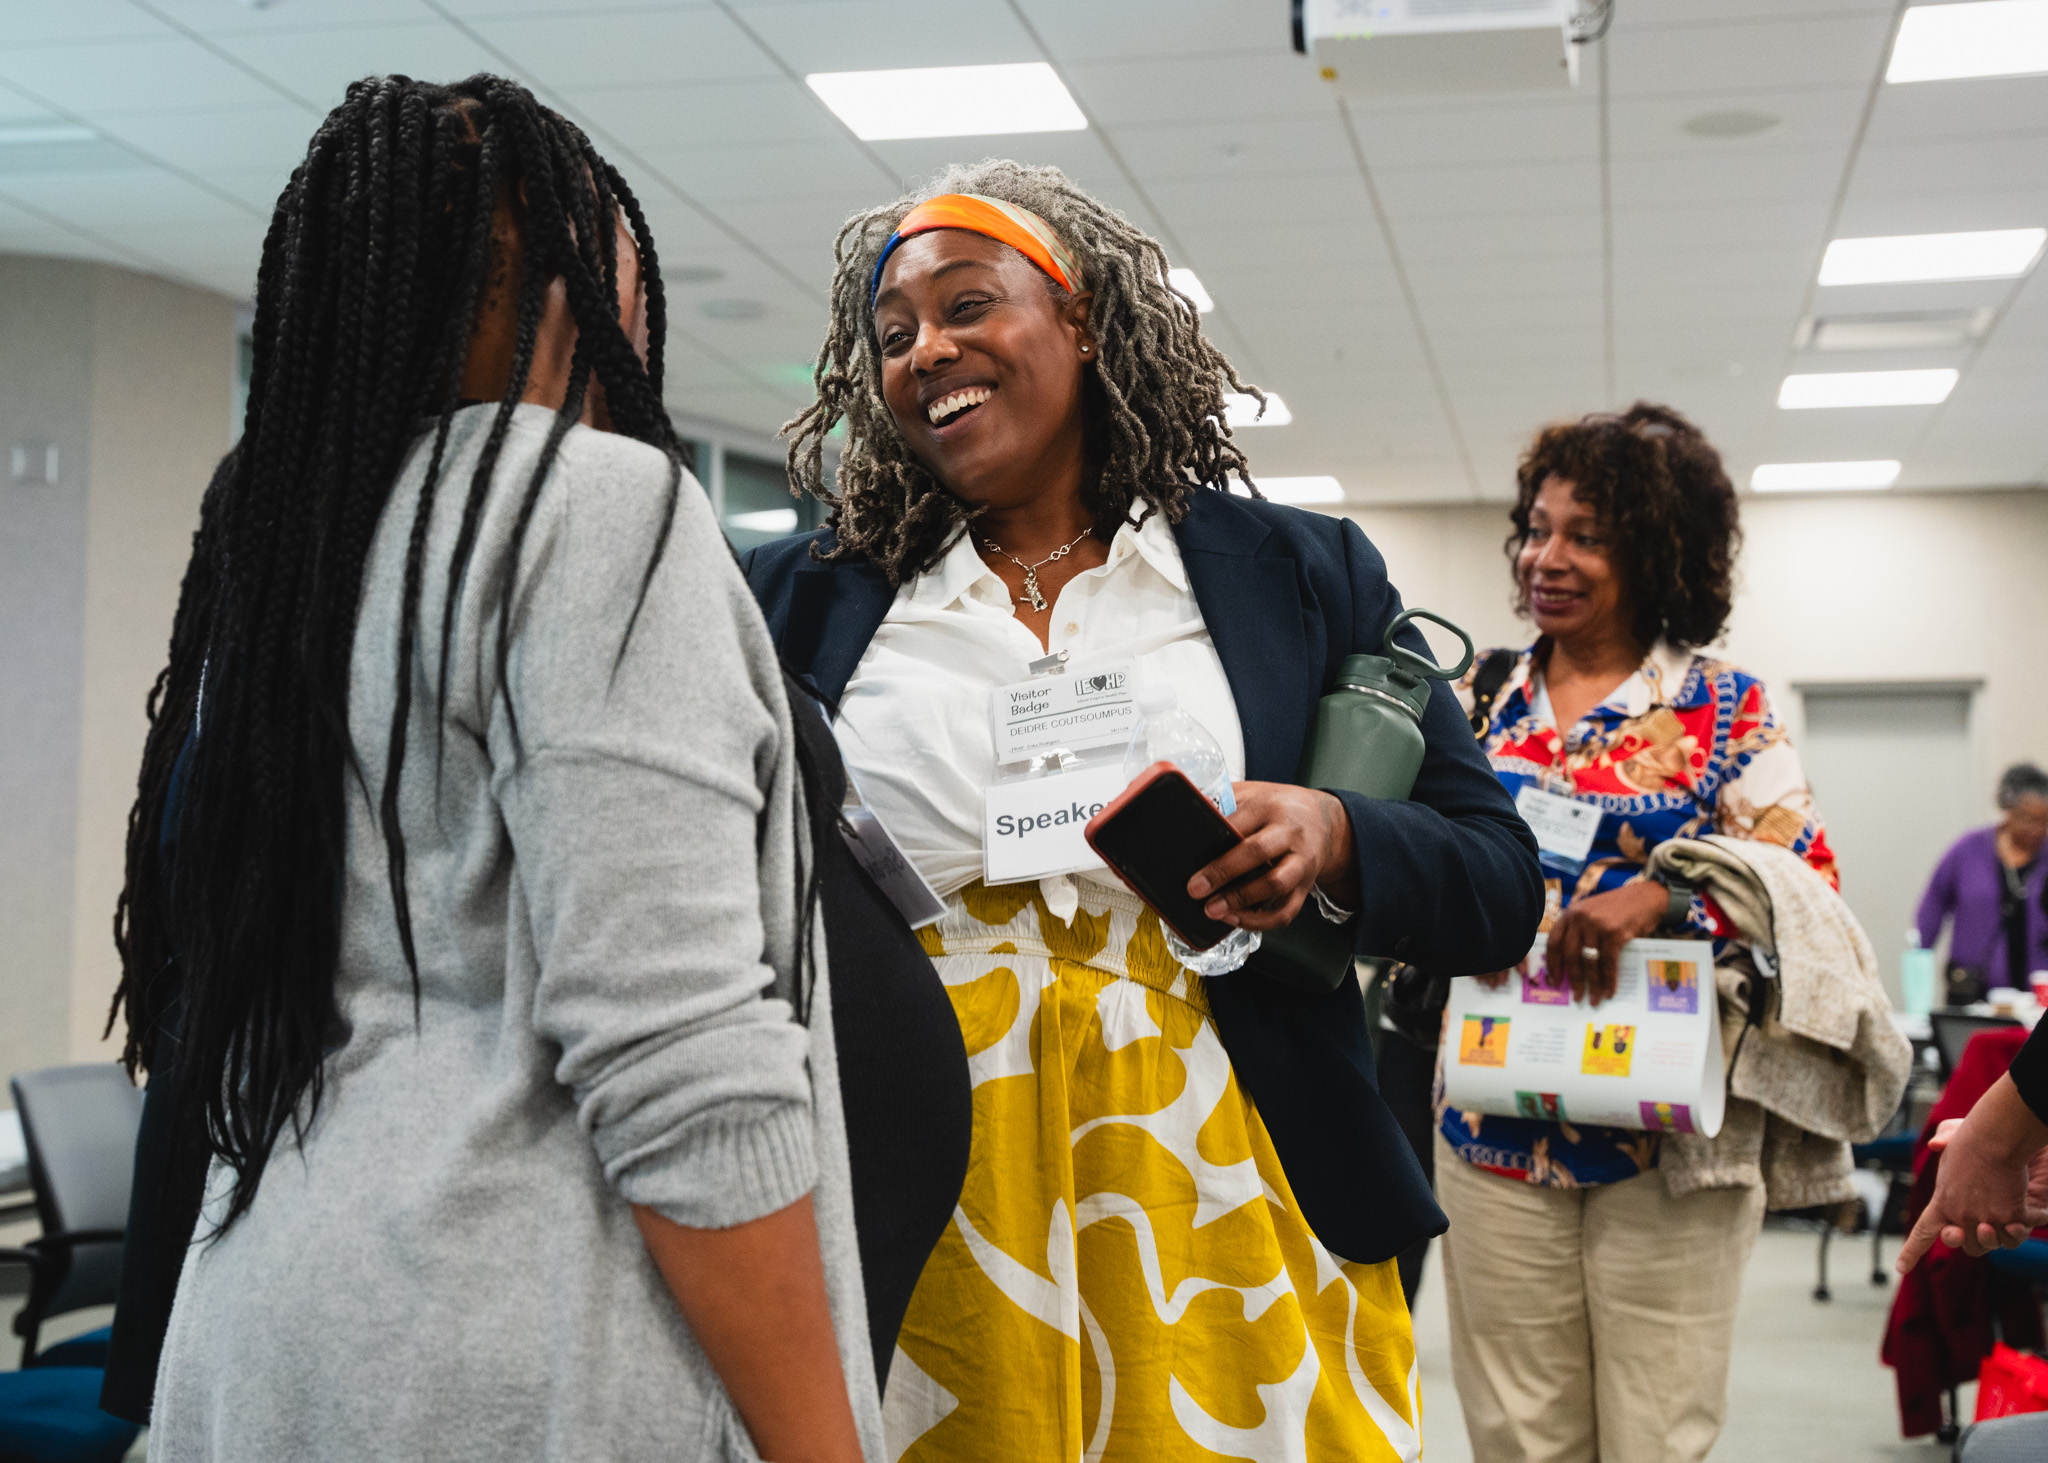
[1991, 890]
[1591, 1309]
[1183, 1194]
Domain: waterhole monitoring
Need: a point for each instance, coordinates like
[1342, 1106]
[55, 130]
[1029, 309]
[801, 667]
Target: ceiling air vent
[1909, 330]
[1398, 48]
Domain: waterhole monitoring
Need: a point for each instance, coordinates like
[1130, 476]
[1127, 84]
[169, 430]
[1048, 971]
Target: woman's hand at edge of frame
[1602, 923]
[1294, 839]
[1991, 1190]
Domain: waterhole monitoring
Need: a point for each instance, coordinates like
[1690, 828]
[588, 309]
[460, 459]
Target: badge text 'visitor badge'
[1072, 710]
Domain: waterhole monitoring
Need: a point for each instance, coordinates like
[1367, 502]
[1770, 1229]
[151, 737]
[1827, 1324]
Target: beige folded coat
[1824, 1066]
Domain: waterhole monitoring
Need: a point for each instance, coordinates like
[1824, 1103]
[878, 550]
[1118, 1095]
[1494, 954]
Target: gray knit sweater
[606, 922]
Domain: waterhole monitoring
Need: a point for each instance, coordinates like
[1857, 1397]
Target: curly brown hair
[1155, 418]
[1659, 488]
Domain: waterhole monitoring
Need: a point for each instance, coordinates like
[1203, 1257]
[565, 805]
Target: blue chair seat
[2027, 1262]
[51, 1414]
[1894, 1152]
[89, 1349]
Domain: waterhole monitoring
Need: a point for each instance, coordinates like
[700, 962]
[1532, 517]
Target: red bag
[2011, 1381]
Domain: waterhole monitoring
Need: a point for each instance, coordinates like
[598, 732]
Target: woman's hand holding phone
[1300, 836]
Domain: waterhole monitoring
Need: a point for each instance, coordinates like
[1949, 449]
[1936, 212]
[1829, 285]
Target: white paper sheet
[1649, 1057]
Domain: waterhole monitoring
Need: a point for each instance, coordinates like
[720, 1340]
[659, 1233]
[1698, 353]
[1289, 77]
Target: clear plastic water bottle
[1916, 975]
[1168, 734]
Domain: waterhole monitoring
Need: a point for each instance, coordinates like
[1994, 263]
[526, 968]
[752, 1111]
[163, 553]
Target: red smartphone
[1158, 834]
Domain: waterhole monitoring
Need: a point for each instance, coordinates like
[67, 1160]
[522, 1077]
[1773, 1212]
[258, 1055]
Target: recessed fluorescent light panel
[1188, 284]
[1986, 38]
[1818, 477]
[1866, 388]
[1241, 409]
[1905, 258]
[1302, 490]
[949, 101]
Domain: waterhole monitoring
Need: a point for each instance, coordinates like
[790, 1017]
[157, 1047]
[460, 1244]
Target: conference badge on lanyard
[1060, 738]
[1564, 827]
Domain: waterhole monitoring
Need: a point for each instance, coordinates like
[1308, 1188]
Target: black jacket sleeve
[1450, 878]
[2029, 1072]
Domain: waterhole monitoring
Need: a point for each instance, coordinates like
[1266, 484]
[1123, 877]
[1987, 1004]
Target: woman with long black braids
[529, 1144]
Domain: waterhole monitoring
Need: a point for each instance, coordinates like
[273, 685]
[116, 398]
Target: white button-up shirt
[914, 722]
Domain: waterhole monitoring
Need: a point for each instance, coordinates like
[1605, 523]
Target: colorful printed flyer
[1649, 1057]
[1484, 1041]
[1607, 1050]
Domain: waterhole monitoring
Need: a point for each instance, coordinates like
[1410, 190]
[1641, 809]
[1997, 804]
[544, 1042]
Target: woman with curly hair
[1183, 1195]
[1624, 543]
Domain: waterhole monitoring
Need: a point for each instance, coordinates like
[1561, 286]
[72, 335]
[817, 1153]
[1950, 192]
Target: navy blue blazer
[1448, 879]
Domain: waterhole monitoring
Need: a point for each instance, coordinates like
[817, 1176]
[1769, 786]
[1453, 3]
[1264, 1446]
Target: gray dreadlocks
[1156, 430]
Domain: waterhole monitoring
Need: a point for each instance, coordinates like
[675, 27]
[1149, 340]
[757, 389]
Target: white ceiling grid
[1426, 281]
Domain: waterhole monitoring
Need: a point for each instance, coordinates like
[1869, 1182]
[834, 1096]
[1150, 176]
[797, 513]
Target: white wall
[1933, 587]
[131, 377]
[163, 377]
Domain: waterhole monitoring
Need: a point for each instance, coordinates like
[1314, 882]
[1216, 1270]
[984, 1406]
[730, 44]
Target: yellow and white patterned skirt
[1127, 1275]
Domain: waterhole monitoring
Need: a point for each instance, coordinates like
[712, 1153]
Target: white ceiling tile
[1266, 145]
[239, 17]
[270, 138]
[319, 65]
[1867, 213]
[1088, 30]
[766, 170]
[707, 114]
[1818, 118]
[2003, 164]
[1568, 240]
[115, 201]
[1645, 15]
[1201, 89]
[1413, 193]
[1080, 155]
[878, 35]
[1702, 179]
[1767, 53]
[23, 22]
[140, 74]
[1466, 131]
[667, 47]
[1734, 225]
[1926, 111]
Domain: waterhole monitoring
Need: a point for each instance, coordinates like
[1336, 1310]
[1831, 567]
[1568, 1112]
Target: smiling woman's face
[981, 366]
[1567, 574]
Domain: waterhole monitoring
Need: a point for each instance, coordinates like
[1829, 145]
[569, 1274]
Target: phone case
[1143, 782]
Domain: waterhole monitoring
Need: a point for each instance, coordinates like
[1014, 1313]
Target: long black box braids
[373, 267]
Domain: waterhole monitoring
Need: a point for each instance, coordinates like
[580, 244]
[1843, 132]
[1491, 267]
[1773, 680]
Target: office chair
[79, 1124]
[1953, 1030]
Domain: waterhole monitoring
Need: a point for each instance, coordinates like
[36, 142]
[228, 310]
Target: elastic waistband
[1113, 931]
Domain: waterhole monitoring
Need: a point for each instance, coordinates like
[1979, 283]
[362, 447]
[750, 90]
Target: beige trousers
[1591, 1324]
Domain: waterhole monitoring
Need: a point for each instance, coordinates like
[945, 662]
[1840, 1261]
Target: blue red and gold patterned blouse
[1687, 745]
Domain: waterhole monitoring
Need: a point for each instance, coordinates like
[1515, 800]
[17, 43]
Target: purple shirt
[1968, 885]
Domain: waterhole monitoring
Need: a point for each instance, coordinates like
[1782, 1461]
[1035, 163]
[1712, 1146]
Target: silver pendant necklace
[1031, 590]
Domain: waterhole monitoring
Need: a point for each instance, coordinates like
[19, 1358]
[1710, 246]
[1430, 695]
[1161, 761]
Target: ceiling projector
[1408, 48]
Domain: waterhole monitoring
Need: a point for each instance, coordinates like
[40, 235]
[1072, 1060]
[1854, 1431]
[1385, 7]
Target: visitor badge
[1564, 827]
[876, 851]
[1032, 827]
[1068, 710]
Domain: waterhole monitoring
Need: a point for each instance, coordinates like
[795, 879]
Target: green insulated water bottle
[1367, 738]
